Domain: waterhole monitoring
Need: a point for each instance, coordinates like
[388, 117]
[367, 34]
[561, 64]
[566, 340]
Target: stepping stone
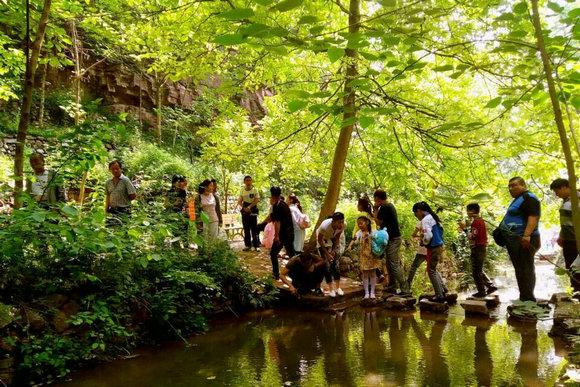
[435, 307]
[368, 302]
[450, 298]
[475, 307]
[401, 303]
[540, 311]
[560, 297]
[491, 301]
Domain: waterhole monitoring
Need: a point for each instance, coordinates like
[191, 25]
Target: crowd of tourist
[376, 232]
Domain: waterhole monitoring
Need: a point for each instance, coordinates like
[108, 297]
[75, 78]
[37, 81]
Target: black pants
[570, 253]
[288, 243]
[331, 268]
[482, 281]
[304, 281]
[251, 233]
[523, 261]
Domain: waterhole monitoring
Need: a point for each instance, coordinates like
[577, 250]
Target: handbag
[499, 235]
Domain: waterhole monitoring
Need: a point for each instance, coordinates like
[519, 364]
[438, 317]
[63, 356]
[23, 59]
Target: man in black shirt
[386, 218]
[281, 217]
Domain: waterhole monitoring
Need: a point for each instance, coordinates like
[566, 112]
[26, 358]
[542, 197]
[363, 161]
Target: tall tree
[31, 64]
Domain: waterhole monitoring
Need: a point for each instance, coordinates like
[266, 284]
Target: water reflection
[358, 348]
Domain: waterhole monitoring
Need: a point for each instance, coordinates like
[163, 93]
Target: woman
[205, 202]
[300, 221]
[433, 240]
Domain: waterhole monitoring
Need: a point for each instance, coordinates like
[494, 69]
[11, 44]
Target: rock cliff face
[125, 90]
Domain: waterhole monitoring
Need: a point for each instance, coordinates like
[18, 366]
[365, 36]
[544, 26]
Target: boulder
[436, 307]
[475, 307]
[34, 319]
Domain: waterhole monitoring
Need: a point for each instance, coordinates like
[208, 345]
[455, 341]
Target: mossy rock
[529, 310]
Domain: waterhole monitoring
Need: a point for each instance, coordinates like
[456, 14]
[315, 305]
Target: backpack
[379, 240]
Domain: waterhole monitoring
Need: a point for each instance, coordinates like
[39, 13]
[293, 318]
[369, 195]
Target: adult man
[385, 216]
[45, 189]
[281, 218]
[566, 238]
[328, 238]
[520, 229]
[306, 271]
[119, 191]
[248, 200]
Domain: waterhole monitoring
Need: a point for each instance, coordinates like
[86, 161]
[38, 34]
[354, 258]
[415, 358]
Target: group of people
[518, 232]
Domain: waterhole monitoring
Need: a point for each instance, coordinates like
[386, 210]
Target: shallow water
[357, 348]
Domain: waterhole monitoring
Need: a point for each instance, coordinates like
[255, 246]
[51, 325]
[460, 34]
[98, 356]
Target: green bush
[130, 283]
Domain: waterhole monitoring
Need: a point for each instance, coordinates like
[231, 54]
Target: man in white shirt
[328, 237]
[248, 200]
[45, 188]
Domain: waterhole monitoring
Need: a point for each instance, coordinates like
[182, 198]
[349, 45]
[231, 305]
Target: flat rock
[369, 302]
[450, 298]
[401, 303]
[490, 301]
[435, 307]
[560, 297]
[475, 307]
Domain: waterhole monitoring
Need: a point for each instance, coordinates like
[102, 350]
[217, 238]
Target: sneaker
[478, 295]
[319, 292]
[366, 297]
[440, 300]
[246, 249]
[332, 293]
[257, 249]
[373, 297]
[491, 289]
[339, 292]
[404, 294]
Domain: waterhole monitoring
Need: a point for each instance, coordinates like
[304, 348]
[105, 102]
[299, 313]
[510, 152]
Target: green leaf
[555, 7]
[70, 211]
[388, 3]
[575, 101]
[307, 19]
[229, 39]
[287, 5]
[335, 53]
[493, 103]
[443, 68]
[237, 14]
[561, 271]
[316, 30]
[264, 2]
[541, 98]
[92, 278]
[520, 8]
[482, 197]
[296, 105]
[365, 122]
[39, 217]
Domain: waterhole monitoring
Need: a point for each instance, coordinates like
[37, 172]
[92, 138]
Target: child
[368, 261]
[433, 241]
[478, 244]
[175, 199]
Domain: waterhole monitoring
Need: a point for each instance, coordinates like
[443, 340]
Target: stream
[358, 347]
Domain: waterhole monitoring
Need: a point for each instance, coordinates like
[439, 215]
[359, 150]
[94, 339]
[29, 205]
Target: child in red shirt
[478, 243]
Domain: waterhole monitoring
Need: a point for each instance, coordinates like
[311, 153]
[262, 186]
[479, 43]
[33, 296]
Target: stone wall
[8, 145]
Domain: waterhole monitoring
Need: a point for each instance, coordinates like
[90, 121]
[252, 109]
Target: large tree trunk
[31, 63]
[559, 121]
[350, 111]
